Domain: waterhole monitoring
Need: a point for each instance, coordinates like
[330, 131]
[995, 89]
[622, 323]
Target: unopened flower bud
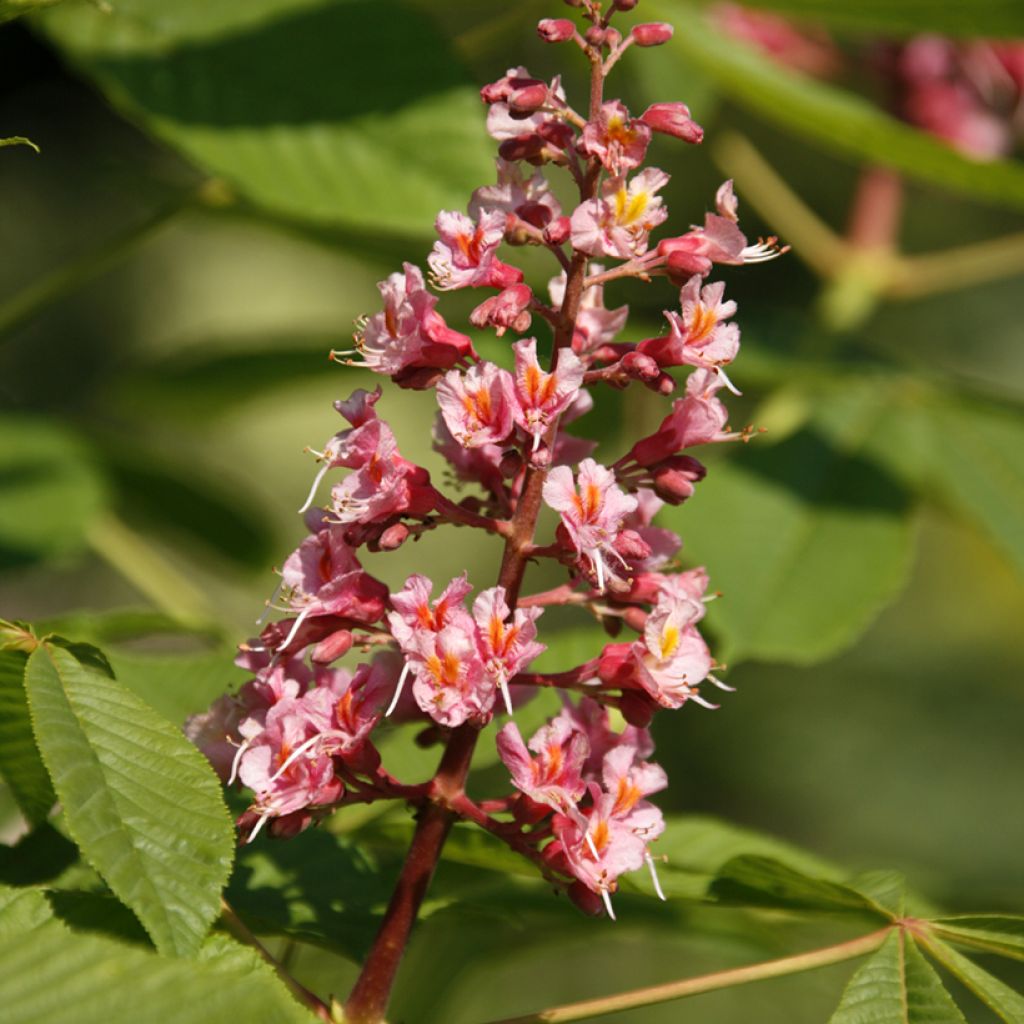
[637, 708]
[654, 33]
[573, 3]
[586, 899]
[290, 825]
[624, 5]
[663, 384]
[640, 366]
[511, 463]
[675, 478]
[629, 544]
[558, 231]
[508, 309]
[596, 36]
[636, 618]
[393, 537]
[333, 647]
[528, 811]
[536, 214]
[528, 98]
[555, 30]
[612, 37]
[672, 119]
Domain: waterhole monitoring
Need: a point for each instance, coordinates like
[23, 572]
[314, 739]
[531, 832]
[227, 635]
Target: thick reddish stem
[877, 209]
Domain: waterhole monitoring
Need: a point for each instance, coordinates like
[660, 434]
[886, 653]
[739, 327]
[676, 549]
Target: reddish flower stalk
[300, 735]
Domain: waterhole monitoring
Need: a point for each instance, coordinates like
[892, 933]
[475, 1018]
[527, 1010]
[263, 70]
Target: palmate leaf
[833, 117]
[1007, 1004]
[896, 986]
[52, 973]
[979, 18]
[141, 802]
[353, 113]
[20, 764]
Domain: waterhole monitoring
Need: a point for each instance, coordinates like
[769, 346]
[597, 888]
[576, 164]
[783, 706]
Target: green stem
[67, 279]
[142, 565]
[961, 267]
[707, 982]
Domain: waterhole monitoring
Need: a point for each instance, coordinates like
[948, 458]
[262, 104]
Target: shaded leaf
[761, 881]
[49, 968]
[98, 913]
[141, 802]
[997, 995]
[16, 140]
[993, 933]
[807, 541]
[984, 18]
[839, 120]
[20, 764]
[276, 100]
[49, 490]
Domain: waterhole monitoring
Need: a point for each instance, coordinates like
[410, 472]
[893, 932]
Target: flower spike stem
[707, 982]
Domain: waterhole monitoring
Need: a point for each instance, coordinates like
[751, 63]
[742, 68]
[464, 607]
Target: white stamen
[718, 682]
[316, 483]
[697, 698]
[406, 668]
[256, 831]
[606, 896]
[728, 383]
[269, 608]
[536, 442]
[503, 685]
[593, 848]
[237, 760]
[296, 754]
[595, 559]
[654, 876]
[295, 627]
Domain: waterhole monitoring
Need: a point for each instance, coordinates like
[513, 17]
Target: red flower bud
[333, 647]
[672, 119]
[624, 5]
[675, 478]
[393, 537]
[654, 33]
[596, 36]
[637, 708]
[528, 99]
[640, 366]
[586, 899]
[558, 231]
[555, 30]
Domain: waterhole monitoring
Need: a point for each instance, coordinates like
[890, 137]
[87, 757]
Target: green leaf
[354, 113]
[994, 933]
[837, 119]
[896, 986]
[996, 994]
[15, 140]
[982, 468]
[20, 764]
[141, 802]
[761, 881]
[983, 18]
[807, 541]
[49, 490]
[21, 910]
[50, 972]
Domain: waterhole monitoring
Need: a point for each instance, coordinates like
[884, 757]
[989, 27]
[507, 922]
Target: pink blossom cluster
[969, 93]
[303, 735]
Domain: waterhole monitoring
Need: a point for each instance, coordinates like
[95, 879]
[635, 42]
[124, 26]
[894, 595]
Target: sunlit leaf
[985, 18]
[354, 113]
[20, 764]
[839, 120]
[141, 802]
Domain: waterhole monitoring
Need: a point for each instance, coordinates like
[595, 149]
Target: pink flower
[673, 119]
[590, 718]
[593, 515]
[478, 406]
[664, 544]
[414, 613]
[617, 140]
[474, 465]
[505, 123]
[451, 684]
[619, 222]
[409, 333]
[540, 396]
[464, 256]
[554, 777]
[509, 309]
[699, 335]
[595, 325]
[505, 647]
[517, 194]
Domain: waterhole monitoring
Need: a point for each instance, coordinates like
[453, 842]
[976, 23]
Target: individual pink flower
[619, 222]
[699, 335]
[698, 418]
[596, 326]
[451, 685]
[616, 139]
[409, 333]
[591, 719]
[505, 123]
[472, 465]
[541, 397]
[464, 255]
[592, 515]
[478, 406]
[554, 776]
[530, 198]
[506, 641]
[508, 310]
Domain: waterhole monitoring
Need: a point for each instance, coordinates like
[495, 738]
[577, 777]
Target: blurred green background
[221, 185]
